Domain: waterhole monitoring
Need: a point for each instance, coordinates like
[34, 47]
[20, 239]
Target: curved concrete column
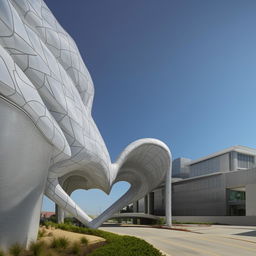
[25, 158]
[60, 214]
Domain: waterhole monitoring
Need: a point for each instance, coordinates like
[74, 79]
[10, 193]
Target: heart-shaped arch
[144, 164]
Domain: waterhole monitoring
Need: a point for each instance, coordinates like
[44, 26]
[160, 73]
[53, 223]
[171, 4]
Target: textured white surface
[25, 157]
[43, 73]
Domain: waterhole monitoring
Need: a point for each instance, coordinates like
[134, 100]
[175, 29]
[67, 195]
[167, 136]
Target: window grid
[245, 161]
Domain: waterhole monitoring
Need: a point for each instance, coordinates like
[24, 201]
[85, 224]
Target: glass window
[236, 195]
[245, 161]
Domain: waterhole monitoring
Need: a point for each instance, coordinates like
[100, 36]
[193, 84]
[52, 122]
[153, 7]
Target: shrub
[127, 246]
[84, 240]
[160, 221]
[53, 218]
[68, 220]
[60, 243]
[76, 249]
[1, 253]
[37, 248]
[16, 249]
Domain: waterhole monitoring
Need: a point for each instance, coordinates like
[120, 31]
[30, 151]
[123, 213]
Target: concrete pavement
[215, 240]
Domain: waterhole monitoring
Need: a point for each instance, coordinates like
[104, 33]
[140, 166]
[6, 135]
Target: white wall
[250, 199]
[215, 164]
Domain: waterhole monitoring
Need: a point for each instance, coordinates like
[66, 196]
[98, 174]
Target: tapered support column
[168, 197]
[25, 158]
[60, 214]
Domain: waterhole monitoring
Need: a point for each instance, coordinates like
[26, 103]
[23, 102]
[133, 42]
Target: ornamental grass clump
[41, 233]
[60, 243]
[38, 248]
[16, 250]
[84, 240]
[50, 234]
[76, 248]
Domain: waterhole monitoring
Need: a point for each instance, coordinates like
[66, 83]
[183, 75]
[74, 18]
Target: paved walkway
[213, 240]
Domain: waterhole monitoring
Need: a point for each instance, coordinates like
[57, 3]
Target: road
[216, 240]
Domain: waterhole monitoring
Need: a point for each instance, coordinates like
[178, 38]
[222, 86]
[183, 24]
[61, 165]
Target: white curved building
[47, 132]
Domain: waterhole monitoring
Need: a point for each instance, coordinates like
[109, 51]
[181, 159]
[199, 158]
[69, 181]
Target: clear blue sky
[181, 71]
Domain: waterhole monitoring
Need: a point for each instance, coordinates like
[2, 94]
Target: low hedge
[116, 245]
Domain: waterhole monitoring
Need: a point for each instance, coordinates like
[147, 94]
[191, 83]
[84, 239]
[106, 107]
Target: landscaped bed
[67, 240]
[115, 245]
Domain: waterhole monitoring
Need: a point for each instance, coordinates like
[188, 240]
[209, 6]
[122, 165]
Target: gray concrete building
[220, 184]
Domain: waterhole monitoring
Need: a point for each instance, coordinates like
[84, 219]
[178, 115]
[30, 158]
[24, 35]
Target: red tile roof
[47, 214]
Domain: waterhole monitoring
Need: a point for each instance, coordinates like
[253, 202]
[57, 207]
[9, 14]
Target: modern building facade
[221, 184]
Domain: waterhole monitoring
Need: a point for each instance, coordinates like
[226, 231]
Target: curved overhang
[144, 164]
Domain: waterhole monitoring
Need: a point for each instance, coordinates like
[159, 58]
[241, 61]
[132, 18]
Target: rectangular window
[236, 195]
[245, 161]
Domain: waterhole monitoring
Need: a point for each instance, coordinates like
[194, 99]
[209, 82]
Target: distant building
[221, 184]
[47, 215]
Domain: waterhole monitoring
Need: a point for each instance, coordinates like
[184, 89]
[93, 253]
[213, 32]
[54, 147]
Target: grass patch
[38, 248]
[16, 250]
[116, 245]
[76, 248]
[160, 221]
[41, 233]
[84, 241]
[60, 243]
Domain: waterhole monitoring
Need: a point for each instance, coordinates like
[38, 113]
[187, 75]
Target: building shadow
[250, 233]
[110, 225]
